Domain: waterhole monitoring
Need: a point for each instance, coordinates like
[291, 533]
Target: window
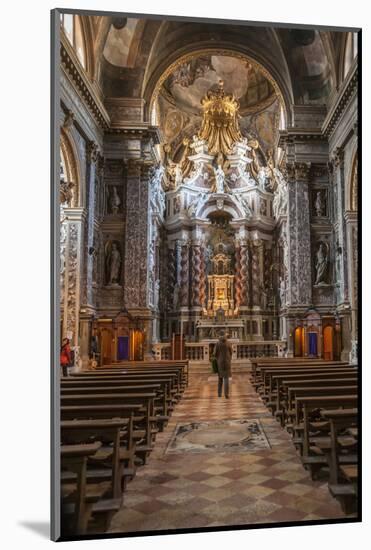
[72, 27]
[351, 50]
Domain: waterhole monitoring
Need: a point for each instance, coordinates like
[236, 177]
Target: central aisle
[189, 490]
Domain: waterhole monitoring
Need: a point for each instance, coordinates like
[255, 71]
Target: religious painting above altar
[207, 186]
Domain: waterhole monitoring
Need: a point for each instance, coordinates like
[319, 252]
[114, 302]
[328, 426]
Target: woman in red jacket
[65, 356]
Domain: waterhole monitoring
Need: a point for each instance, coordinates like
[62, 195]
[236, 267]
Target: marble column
[351, 219]
[92, 159]
[299, 289]
[337, 164]
[70, 264]
[137, 237]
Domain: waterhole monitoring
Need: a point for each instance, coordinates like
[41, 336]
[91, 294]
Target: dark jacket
[223, 354]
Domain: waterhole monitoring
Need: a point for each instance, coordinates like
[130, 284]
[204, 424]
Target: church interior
[208, 187]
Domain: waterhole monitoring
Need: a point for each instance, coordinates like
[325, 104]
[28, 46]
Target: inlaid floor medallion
[243, 435]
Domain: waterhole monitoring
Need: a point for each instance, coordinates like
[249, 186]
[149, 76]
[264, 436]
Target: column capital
[92, 152]
[69, 119]
[337, 157]
[297, 171]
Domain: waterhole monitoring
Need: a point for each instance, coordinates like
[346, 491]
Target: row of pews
[109, 420]
[316, 402]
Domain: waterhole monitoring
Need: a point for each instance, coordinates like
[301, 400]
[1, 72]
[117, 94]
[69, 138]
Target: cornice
[136, 131]
[346, 93]
[293, 135]
[76, 74]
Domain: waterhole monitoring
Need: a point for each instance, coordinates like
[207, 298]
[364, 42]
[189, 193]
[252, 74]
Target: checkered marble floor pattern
[180, 491]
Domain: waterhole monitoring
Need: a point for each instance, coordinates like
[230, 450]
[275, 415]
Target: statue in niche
[220, 185]
[319, 204]
[321, 265]
[114, 200]
[113, 263]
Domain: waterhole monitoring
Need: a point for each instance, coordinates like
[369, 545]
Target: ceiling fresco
[179, 102]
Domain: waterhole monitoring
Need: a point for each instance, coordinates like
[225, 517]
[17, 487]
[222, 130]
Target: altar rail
[199, 352]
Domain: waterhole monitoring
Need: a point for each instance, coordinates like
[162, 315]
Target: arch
[69, 158]
[351, 180]
[353, 197]
[152, 85]
[230, 205]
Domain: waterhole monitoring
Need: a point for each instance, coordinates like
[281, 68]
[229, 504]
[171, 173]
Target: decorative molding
[348, 90]
[82, 84]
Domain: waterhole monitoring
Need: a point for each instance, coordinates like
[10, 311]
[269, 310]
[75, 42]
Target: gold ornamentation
[220, 127]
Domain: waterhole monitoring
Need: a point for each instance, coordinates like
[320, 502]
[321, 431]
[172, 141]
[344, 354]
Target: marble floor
[260, 484]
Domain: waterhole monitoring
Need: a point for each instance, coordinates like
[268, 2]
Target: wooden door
[298, 342]
[328, 343]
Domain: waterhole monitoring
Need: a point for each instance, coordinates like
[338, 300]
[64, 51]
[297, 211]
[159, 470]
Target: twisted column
[244, 275]
[202, 278]
[184, 275]
[238, 287]
[255, 275]
[196, 274]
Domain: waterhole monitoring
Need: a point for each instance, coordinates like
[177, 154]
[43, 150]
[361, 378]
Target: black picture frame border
[55, 260]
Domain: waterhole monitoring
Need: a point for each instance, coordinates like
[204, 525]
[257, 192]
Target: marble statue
[321, 264]
[280, 195]
[219, 179]
[113, 262]
[114, 200]
[245, 205]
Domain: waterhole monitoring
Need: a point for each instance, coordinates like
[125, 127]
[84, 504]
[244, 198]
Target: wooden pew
[303, 407]
[112, 375]
[161, 390]
[273, 378]
[108, 431]
[146, 399]
[280, 362]
[78, 499]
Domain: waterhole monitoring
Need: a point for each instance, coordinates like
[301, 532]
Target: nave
[190, 490]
